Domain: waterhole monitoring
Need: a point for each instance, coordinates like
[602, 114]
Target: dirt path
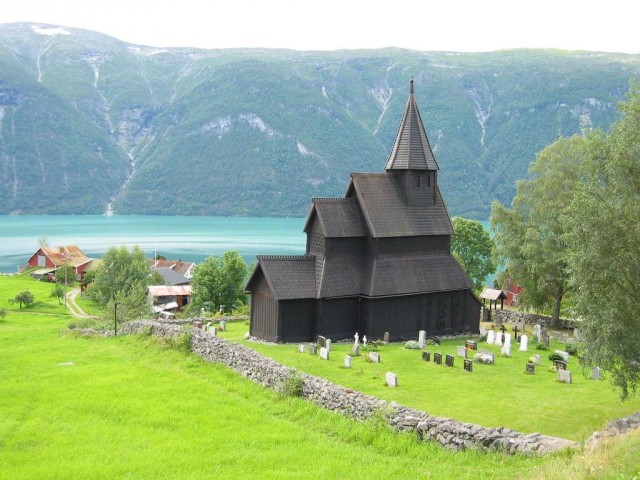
[73, 307]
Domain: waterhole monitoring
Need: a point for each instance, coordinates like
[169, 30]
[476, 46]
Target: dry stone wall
[450, 433]
[511, 316]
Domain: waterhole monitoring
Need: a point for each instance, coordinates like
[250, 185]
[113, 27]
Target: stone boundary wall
[616, 427]
[269, 373]
[205, 320]
[510, 316]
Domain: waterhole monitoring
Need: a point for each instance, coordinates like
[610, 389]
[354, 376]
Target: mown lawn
[129, 407]
[492, 395]
[10, 285]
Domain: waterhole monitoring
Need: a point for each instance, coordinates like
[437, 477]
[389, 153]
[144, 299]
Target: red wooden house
[49, 259]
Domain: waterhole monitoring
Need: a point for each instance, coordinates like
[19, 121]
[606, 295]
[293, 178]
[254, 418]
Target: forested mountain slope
[90, 124]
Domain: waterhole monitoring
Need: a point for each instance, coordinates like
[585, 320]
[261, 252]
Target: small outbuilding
[494, 296]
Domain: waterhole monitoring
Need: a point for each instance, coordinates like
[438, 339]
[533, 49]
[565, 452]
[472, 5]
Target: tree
[65, 274]
[473, 248]
[604, 241]
[123, 276]
[25, 298]
[219, 281]
[530, 235]
[57, 292]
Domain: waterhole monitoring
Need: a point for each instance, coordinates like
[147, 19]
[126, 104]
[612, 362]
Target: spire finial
[411, 86]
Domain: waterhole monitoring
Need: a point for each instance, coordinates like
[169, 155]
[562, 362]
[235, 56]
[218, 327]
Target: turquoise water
[177, 238]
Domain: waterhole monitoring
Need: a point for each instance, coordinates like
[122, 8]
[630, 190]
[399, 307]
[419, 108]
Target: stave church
[377, 260]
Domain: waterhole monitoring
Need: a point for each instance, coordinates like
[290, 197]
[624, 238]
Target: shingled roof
[339, 217]
[411, 150]
[289, 277]
[399, 275]
[387, 214]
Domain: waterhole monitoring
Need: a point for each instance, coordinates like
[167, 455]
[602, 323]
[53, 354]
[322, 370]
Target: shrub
[541, 346]
[483, 338]
[3, 313]
[571, 349]
[555, 356]
[412, 345]
[291, 386]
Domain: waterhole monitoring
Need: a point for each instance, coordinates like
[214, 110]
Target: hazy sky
[459, 25]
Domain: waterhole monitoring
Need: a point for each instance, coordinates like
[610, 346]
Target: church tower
[411, 160]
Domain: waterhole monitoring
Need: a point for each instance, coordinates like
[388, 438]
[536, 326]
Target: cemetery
[485, 388]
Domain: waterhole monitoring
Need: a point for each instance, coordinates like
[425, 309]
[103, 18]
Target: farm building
[377, 260]
[49, 259]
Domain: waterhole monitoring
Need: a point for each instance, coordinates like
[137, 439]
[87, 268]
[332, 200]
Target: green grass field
[11, 285]
[131, 407]
[492, 395]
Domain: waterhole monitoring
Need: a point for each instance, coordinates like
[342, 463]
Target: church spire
[411, 150]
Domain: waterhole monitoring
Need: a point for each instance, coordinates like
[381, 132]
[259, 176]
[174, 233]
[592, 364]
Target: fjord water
[177, 238]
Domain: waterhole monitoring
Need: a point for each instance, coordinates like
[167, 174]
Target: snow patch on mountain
[50, 31]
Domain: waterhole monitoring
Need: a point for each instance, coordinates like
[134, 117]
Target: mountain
[90, 124]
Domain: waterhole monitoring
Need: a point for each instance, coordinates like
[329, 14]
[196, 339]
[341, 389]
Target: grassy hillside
[87, 121]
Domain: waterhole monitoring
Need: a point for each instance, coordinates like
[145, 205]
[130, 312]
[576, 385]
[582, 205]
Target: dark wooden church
[377, 260]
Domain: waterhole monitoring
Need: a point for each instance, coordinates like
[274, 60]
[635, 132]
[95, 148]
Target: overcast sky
[458, 25]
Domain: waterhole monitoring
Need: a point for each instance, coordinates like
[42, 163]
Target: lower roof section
[289, 277]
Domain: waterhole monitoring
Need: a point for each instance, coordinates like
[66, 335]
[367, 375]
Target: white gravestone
[207, 327]
[213, 331]
[422, 338]
[537, 359]
[301, 347]
[374, 357]
[506, 350]
[364, 340]
[392, 379]
[507, 339]
[595, 373]
[461, 351]
[327, 344]
[223, 326]
[498, 338]
[324, 353]
[564, 376]
[347, 361]
[564, 355]
[355, 351]
[537, 332]
[483, 331]
[491, 337]
[524, 342]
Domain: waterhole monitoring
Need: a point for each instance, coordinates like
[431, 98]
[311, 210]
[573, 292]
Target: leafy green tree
[65, 273]
[604, 241]
[529, 236]
[473, 248]
[25, 298]
[219, 281]
[57, 292]
[123, 276]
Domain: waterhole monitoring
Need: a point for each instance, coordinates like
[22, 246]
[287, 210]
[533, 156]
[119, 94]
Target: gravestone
[207, 327]
[449, 360]
[426, 356]
[483, 331]
[560, 364]
[355, 351]
[392, 379]
[301, 348]
[385, 338]
[564, 376]
[537, 332]
[595, 373]
[484, 357]
[544, 332]
[564, 355]
[197, 324]
[437, 358]
[524, 342]
[471, 344]
[491, 337]
[507, 339]
[545, 341]
[537, 359]
[530, 369]
[374, 357]
[213, 331]
[324, 353]
[327, 344]
[313, 349]
[498, 340]
[347, 361]
[364, 340]
[322, 341]
[468, 366]
[223, 326]
[422, 338]
[506, 350]
[461, 351]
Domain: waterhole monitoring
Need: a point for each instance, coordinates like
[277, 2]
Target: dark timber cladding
[377, 260]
